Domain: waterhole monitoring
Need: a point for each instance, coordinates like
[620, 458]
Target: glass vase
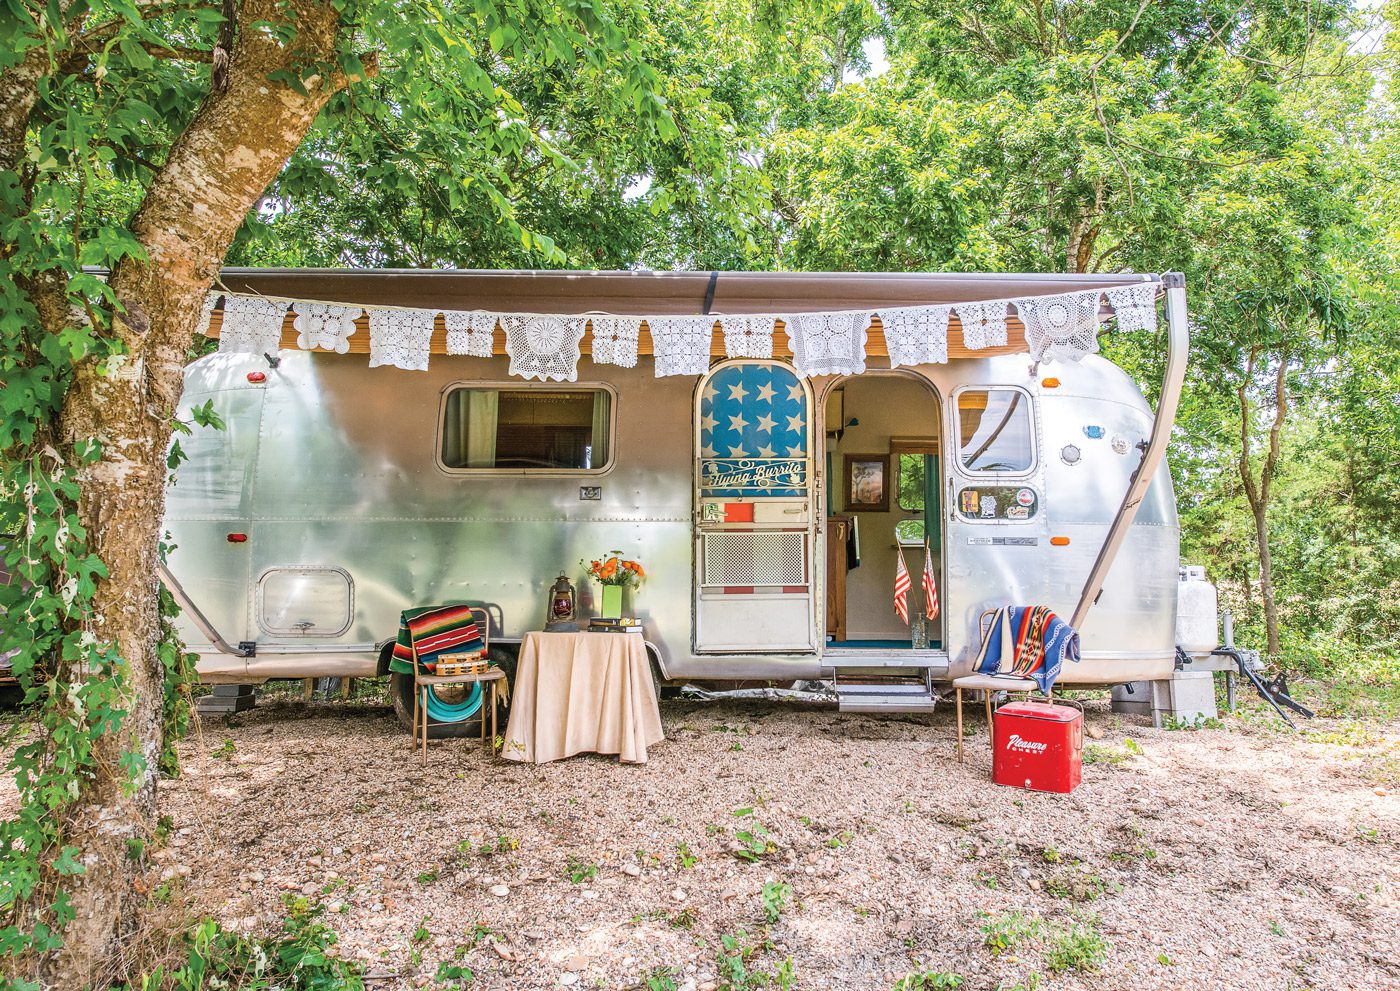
[611, 607]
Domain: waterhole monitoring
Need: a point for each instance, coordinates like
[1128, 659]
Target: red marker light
[256, 377]
[238, 538]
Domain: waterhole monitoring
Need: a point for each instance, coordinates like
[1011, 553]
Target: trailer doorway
[883, 467]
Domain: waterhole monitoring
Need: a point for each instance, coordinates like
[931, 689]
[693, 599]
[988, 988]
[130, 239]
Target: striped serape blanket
[434, 630]
[1027, 642]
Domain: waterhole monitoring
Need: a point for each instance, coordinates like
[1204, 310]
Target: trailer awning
[878, 301]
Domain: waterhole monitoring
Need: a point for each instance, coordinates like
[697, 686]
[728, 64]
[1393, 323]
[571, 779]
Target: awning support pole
[201, 622]
[1178, 344]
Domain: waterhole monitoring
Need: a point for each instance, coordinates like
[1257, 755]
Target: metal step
[933, 661]
[896, 696]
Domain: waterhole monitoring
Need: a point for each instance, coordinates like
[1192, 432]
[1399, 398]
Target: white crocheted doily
[544, 346]
[252, 325]
[324, 325]
[469, 332]
[206, 312]
[1061, 326]
[1134, 306]
[827, 343]
[983, 324]
[747, 336]
[400, 338]
[681, 345]
[916, 335]
[615, 340]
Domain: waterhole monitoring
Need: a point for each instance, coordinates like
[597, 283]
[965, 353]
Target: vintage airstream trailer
[338, 494]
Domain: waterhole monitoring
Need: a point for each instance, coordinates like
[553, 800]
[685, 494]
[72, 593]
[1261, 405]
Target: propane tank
[1197, 611]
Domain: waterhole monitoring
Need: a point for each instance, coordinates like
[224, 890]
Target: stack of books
[620, 624]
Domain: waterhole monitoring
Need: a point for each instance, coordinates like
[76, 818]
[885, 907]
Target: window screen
[994, 430]
[527, 429]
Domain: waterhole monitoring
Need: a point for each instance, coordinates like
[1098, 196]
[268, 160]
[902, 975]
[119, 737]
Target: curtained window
[526, 429]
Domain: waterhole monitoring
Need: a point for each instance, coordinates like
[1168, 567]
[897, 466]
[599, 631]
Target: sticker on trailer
[969, 502]
[1018, 513]
[989, 507]
[1119, 445]
[1025, 497]
[1004, 541]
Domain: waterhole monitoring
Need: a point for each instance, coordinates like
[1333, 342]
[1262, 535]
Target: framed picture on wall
[867, 483]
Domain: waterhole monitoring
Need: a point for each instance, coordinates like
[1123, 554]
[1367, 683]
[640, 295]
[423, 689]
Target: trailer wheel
[454, 710]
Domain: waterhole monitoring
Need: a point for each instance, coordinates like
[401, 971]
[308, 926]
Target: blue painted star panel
[753, 432]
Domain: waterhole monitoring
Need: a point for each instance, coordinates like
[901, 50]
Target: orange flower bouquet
[614, 570]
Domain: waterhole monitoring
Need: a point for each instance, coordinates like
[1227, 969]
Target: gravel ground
[1236, 857]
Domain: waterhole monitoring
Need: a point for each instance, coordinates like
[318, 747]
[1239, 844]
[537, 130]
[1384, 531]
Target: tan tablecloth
[581, 692]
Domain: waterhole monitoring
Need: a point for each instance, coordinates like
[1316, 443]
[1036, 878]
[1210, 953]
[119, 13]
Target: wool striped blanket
[1027, 642]
[433, 631]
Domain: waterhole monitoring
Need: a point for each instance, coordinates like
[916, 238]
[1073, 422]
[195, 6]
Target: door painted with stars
[755, 525]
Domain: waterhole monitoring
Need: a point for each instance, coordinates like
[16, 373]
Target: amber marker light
[1050, 383]
[238, 538]
[1059, 541]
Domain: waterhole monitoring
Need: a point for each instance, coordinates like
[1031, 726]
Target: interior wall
[887, 406]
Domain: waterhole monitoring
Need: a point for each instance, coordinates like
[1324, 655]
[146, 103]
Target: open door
[754, 523]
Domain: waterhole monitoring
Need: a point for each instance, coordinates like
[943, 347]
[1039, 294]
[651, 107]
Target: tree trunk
[1258, 493]
[217, 169]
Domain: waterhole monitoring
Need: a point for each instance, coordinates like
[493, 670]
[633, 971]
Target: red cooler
[1038, 745]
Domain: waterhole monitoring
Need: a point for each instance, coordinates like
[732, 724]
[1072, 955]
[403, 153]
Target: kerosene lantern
[561, 607]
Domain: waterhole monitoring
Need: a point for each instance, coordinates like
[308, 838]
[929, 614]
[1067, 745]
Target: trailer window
[994, 430]
[526, 429]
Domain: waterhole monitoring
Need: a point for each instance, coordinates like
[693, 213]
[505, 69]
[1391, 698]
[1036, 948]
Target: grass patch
[1078, 947]
[1007, 933]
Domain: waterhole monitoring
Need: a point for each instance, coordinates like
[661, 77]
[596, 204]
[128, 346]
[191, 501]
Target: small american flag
[930, 588]
[901, 588]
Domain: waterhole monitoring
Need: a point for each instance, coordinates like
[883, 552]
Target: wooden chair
[988, 683]
[489, 680]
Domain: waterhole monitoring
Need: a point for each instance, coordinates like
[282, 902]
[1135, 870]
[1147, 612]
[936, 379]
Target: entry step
[884, 696]
[933, 661]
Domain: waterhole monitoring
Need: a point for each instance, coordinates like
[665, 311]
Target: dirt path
[1221, 858]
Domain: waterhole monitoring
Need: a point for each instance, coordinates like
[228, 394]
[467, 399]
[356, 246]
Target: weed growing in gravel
[684, 919]
[428, 877]
[453, 975]
[1080, 947]
[580, 871]
[684, 857]
[225, 750]
[1031, 983]
[661, 979]
[1051, 856]
[775, 897]
[1202, 721]
[1006, 933]
[840, 839]
[753, 839]
[736, 958]
[928, 981]
[1076, 886]
[1102, 753]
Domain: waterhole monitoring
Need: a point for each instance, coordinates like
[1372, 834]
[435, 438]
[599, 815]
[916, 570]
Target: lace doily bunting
[916, 335]
[206, 312]
[1134, 306]
[324, 325]
[983, 324]
[252, 325]
[827, 343]
[469, 332]
[400, 338]
[1061, 326]
[615, 340]
[747, 336]
[681, 345]
[543, 346]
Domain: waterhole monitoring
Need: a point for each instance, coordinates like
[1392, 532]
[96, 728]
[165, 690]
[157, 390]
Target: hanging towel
[1027, 642]
[434, 630]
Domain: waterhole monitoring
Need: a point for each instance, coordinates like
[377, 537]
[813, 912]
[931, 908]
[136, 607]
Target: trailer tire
[469, 724]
